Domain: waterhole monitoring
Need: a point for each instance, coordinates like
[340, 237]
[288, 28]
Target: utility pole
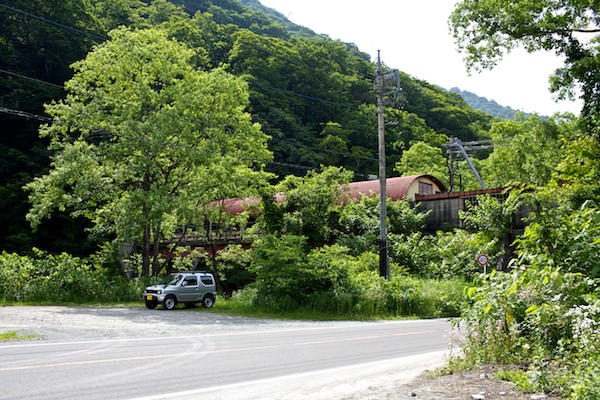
[384, 265]
[457, 149]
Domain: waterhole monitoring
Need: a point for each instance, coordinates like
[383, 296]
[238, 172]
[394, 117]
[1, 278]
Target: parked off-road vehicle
[188, 287]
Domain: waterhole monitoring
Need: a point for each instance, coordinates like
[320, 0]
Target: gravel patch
[85, 323]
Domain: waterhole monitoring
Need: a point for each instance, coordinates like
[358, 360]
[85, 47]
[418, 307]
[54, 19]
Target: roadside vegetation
[541, 318]
[14, 336]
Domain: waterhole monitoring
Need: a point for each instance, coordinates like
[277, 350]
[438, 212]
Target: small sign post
[483, 260]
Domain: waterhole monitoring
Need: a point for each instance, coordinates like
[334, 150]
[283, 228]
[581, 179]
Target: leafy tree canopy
[485, 30]
[422, 158]
[526, 152]
[147, 140]
[312, 95]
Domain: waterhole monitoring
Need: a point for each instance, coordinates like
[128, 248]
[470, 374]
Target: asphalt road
[207, 365]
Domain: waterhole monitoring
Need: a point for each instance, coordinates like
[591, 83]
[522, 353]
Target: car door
[189, 289]
[207, 284]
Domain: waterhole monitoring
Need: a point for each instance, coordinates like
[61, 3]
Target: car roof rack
[190, 272]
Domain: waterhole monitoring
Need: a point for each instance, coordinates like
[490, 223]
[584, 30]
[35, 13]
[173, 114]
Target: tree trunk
[147, 231]
[156, 248]
[213, 260]
[146, 252]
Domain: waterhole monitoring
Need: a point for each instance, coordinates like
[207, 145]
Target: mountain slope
[312, 95]
[489, 106]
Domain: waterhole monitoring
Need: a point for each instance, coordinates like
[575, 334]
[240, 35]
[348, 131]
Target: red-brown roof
[396, 188]
[238, 206]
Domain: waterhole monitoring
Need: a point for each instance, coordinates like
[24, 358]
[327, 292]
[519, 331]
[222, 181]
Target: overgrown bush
[407, 296]
[287, 277]
[233, 269]
[543, 315]
[331, 280]
[446, 255]
[359, 223]
[61, 279]
[540, 316]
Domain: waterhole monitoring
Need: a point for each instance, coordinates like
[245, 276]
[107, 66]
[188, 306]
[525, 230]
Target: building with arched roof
[399, 188]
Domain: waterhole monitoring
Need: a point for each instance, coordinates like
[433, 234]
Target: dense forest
[313, 96]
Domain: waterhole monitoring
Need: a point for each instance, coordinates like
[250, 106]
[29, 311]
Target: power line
[325, 150]
[98, 132]
[304, 96]
[312, 98]
[32, 116]
[287, 92]
[24, 114]
[31, 79]
[53, 22]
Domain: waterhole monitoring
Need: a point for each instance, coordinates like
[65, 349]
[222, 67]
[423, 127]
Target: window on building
[425, 188]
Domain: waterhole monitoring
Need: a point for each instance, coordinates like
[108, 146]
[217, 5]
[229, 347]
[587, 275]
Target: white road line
[317, 383]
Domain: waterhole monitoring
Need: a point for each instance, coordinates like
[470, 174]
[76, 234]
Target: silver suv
[188, 287]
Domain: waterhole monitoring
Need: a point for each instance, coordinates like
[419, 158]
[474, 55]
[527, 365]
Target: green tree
[334, 141]
[527, 152]
[113, 13]
[282, 273]
[32, 48]
[137, 145]
[289, 276]
[233, 269]
[563, 233]
[409, 129]
[580, 162]
[485, 30]
[422, 158]
[308, 207]
[494, 219]
[445, 112]
[358, 224]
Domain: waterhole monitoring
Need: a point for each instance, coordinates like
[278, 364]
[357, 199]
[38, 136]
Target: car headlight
[159, 291]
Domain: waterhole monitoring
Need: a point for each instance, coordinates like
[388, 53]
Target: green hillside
[490, 106]
[312, 95]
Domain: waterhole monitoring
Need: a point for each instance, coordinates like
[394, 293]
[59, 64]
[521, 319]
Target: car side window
[207, 280]
[191, 281]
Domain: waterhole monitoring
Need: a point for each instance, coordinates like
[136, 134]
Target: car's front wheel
[169, 302]
[208, 301]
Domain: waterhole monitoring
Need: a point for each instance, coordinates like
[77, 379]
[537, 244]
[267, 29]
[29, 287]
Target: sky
[413, 36]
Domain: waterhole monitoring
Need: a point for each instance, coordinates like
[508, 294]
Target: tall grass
[370, 297]
[62, 279]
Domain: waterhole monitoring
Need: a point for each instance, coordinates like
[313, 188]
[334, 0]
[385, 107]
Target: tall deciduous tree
[308, 207]
[144, 138]
[526, 153]
[487, 29]
[422, 158]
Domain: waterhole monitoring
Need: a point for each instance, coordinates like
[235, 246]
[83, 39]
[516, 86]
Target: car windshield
[175, 280]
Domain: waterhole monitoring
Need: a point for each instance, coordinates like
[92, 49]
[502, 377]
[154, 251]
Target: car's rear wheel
[169, 302]
[208, 301]
[151, 305]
